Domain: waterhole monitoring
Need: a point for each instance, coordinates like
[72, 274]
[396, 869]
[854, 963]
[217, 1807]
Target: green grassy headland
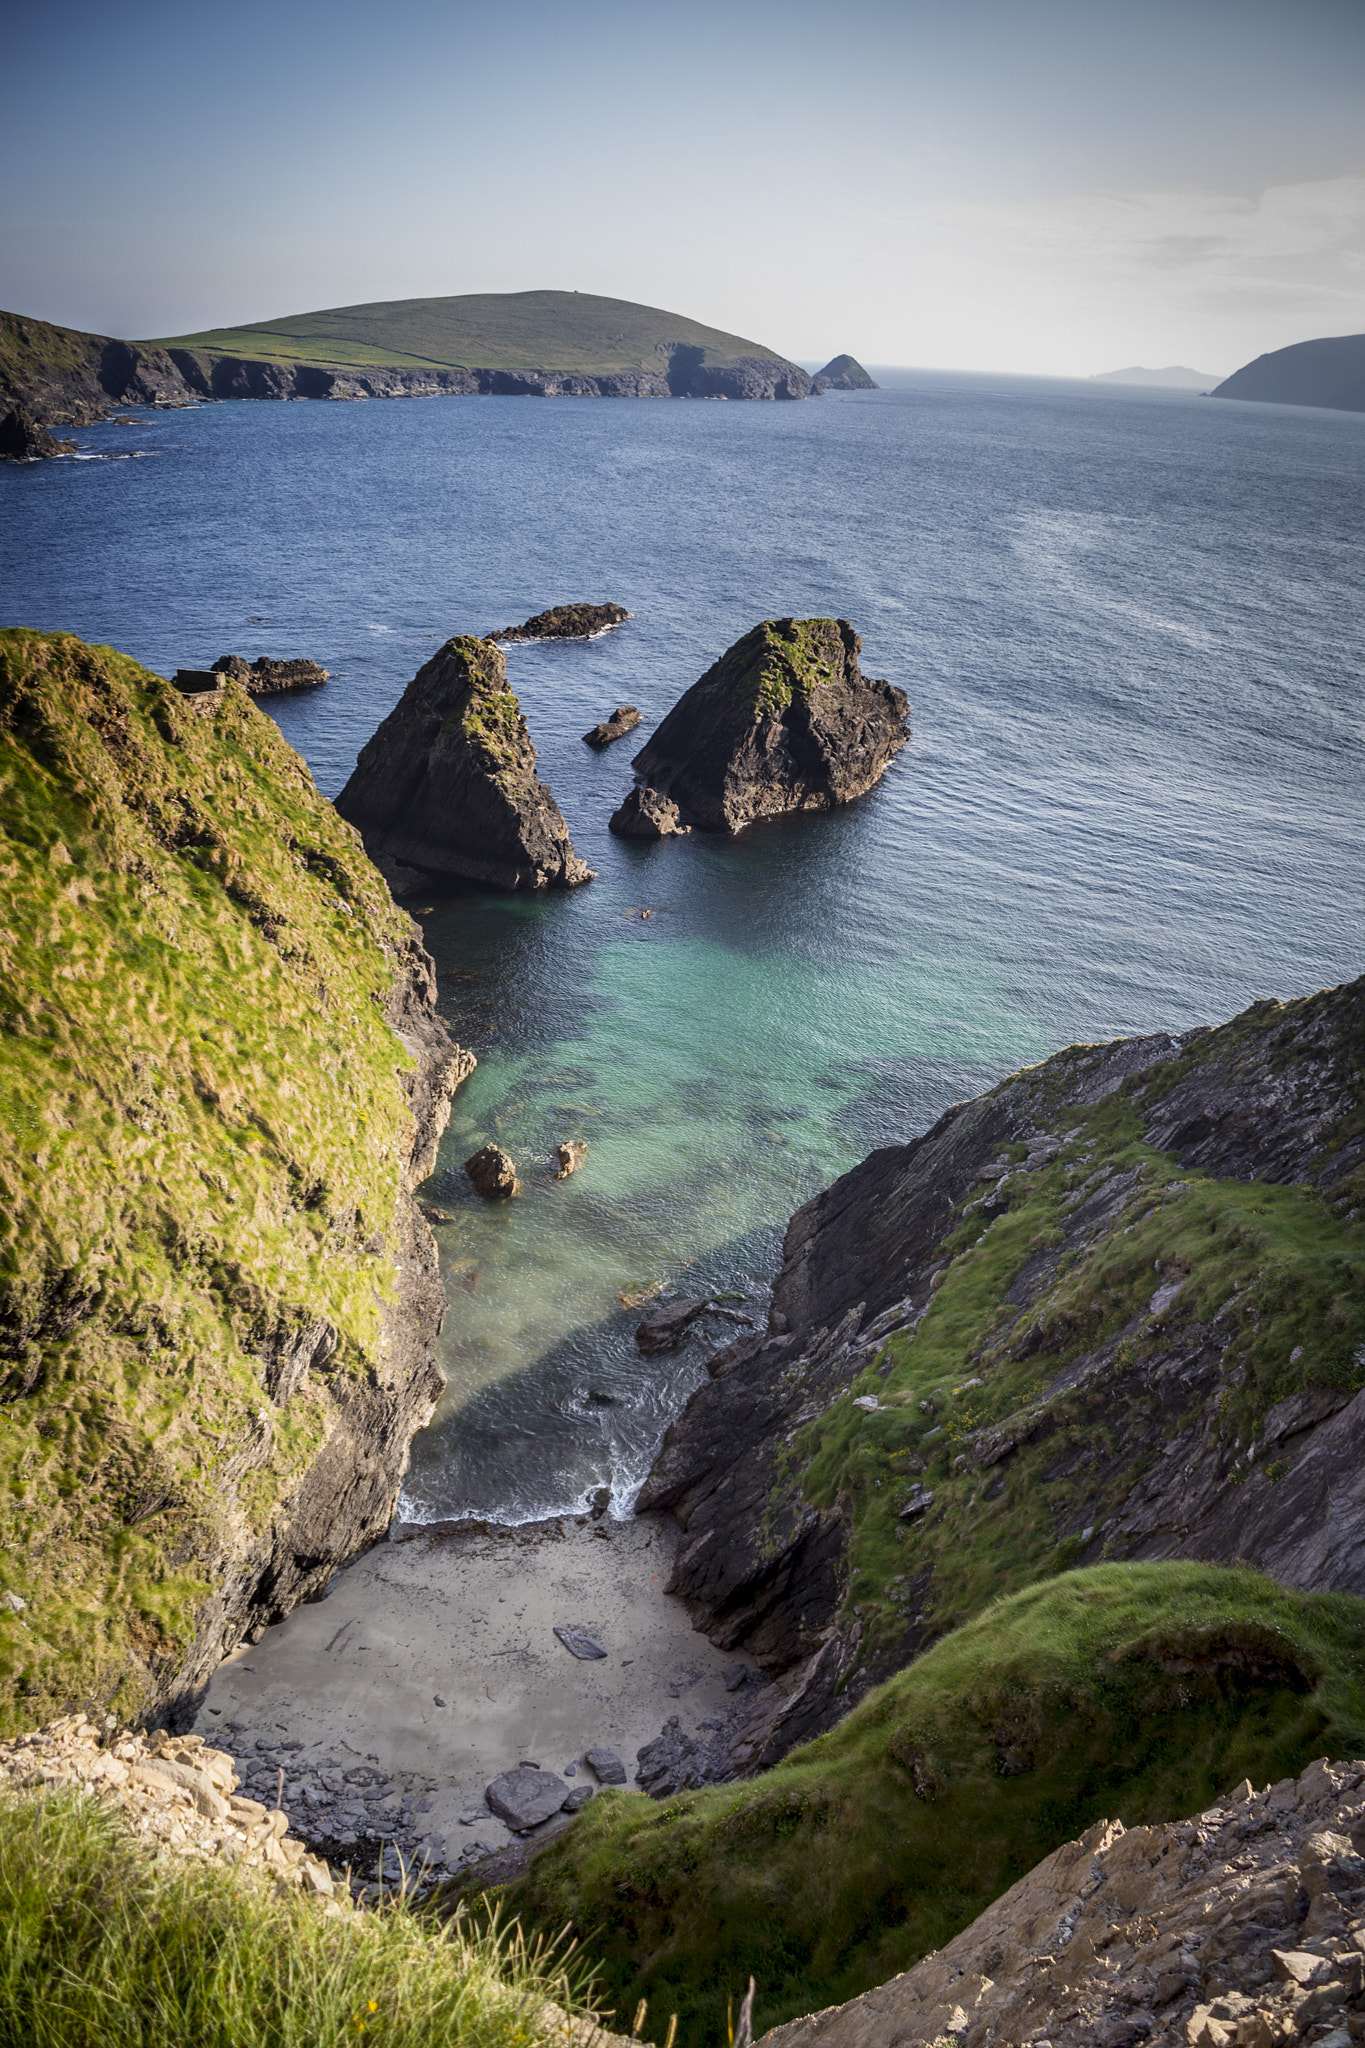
[100, 1947]
[1137, 1692]
[204, 1129]
[572, 333]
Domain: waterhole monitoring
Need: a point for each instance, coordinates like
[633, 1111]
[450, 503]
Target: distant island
[513, 344]
[1330, 373]
[1174, 378]
[844, 373]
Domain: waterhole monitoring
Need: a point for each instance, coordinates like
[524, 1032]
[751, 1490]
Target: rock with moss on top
[448, 783]
[785, 721]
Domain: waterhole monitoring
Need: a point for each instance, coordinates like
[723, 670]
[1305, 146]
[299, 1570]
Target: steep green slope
[206, 1389]
[570, 332]
[1140, 1692]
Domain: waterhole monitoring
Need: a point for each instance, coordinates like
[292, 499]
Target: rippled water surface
[1129, 626]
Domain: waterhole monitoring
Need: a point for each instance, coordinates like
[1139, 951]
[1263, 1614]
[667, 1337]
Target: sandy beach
[431, 1666]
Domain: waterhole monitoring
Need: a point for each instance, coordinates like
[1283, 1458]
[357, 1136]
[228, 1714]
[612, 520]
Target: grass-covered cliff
[217, 1299]
[1137, 1692]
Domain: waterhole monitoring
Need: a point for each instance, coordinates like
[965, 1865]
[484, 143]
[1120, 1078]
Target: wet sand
[432, 1661]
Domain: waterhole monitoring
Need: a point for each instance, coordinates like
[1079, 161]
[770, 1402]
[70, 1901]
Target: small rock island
[785, 721]
[266, 678]
[567, 622]
[844, 373]
[448, 783]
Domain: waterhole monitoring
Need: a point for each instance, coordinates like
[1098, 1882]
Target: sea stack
[448, 783]
[844, 373]
[785, 721]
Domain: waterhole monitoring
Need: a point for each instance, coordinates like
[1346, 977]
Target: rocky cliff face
[448, 784]
[224, 1075]
[1114, 1308]
[1242, 1925]
[784, 721]
[63, 376]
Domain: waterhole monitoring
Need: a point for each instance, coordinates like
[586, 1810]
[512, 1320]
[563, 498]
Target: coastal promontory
[448, 783]
[784, 721]
[224, 1075]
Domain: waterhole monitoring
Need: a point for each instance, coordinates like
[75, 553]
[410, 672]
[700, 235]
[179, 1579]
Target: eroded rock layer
[448, 783]
[784, 721]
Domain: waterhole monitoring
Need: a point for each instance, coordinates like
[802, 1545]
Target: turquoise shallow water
[1129, 625]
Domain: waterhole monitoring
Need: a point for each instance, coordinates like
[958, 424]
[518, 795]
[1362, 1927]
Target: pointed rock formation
[785, 721]
[448, 784]
[844, 373]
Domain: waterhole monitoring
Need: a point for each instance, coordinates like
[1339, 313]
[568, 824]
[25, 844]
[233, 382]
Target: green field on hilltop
[573, 333]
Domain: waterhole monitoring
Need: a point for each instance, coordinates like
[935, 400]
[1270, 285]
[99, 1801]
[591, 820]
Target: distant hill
[1175, 378]
[508, 344]
[1329, 373]
[572, 333]
[844, 373]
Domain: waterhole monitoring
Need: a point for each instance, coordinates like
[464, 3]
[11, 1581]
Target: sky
[1057, 187]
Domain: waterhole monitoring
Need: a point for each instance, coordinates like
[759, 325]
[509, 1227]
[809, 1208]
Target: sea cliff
[223, 1076]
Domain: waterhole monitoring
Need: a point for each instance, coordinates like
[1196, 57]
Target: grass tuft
[102, 1947]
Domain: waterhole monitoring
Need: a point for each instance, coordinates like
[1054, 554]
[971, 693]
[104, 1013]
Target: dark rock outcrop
[266, 678]
[623, 719]
[1330, 373]
[646, 815]
[784, 721]
[448, 783]
[22, 439]
[570, 1156]
[567, 622]
[844, 373]
[1137, 1416]
[493, 1173]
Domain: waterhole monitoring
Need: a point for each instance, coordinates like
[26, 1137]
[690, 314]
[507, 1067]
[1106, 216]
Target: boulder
[623, 719]
[493, 1173]
[784, 721]
[571, 1155]
[524, 1798]
[607, 1766]
[567, 622]
[577, 1799]
[448, 783]
[646, 815]
[266, 678]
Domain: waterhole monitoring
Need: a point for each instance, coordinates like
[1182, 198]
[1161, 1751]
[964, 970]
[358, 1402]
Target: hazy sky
[1036, 186]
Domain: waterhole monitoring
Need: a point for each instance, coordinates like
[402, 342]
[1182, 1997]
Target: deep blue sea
[1129, 623]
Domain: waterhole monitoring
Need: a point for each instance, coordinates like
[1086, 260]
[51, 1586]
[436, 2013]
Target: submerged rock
[646, 815]
[570, 1155]
[266, 678]
[785, 721]
[448, 784]
[567, 622]
[493, 1173]
[623, 719]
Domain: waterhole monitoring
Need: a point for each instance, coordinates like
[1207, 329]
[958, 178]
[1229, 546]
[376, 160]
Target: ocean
[1129, 624]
